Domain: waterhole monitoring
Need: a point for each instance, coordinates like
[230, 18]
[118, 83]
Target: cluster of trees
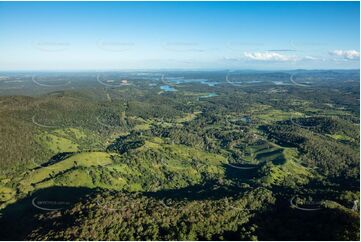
[126, 143]
[17, 144]
[331, 157]
[124, 216]
[328, 145]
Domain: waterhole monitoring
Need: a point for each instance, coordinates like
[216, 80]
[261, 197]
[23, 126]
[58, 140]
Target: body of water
[168, 88]
[202, 81]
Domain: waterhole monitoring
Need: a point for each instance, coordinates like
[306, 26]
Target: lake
[180, 80]
[168, 88]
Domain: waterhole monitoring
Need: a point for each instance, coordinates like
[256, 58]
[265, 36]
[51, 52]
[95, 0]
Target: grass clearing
[84, 159]
[140, 127]
[7, 194]
[340, 137]
[189, 117]
[274, 115]
[56, 144]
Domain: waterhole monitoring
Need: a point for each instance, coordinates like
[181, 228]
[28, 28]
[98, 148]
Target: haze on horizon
[179, 35]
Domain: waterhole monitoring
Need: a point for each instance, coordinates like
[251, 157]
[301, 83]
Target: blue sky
[185, 35]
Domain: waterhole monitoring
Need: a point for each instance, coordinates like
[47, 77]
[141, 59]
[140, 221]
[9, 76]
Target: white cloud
[346, 54]
[268, 56]
[308, 57]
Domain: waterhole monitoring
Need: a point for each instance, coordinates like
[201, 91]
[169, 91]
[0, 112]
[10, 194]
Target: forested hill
[180, 156]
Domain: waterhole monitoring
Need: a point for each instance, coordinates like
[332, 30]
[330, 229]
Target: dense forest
[193, 155]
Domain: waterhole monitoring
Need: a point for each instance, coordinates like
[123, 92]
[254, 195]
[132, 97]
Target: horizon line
[180, 69]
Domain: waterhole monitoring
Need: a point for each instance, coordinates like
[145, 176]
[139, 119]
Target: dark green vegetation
[227, 156]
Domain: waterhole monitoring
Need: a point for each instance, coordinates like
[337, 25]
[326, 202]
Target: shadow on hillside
[55, 159]
[241, 175]
[286, 224]
[17, 220]
[210, 190]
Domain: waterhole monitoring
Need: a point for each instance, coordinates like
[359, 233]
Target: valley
[182, 155]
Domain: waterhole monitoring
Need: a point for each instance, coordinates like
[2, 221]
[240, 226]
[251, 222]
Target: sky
[179, 35]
